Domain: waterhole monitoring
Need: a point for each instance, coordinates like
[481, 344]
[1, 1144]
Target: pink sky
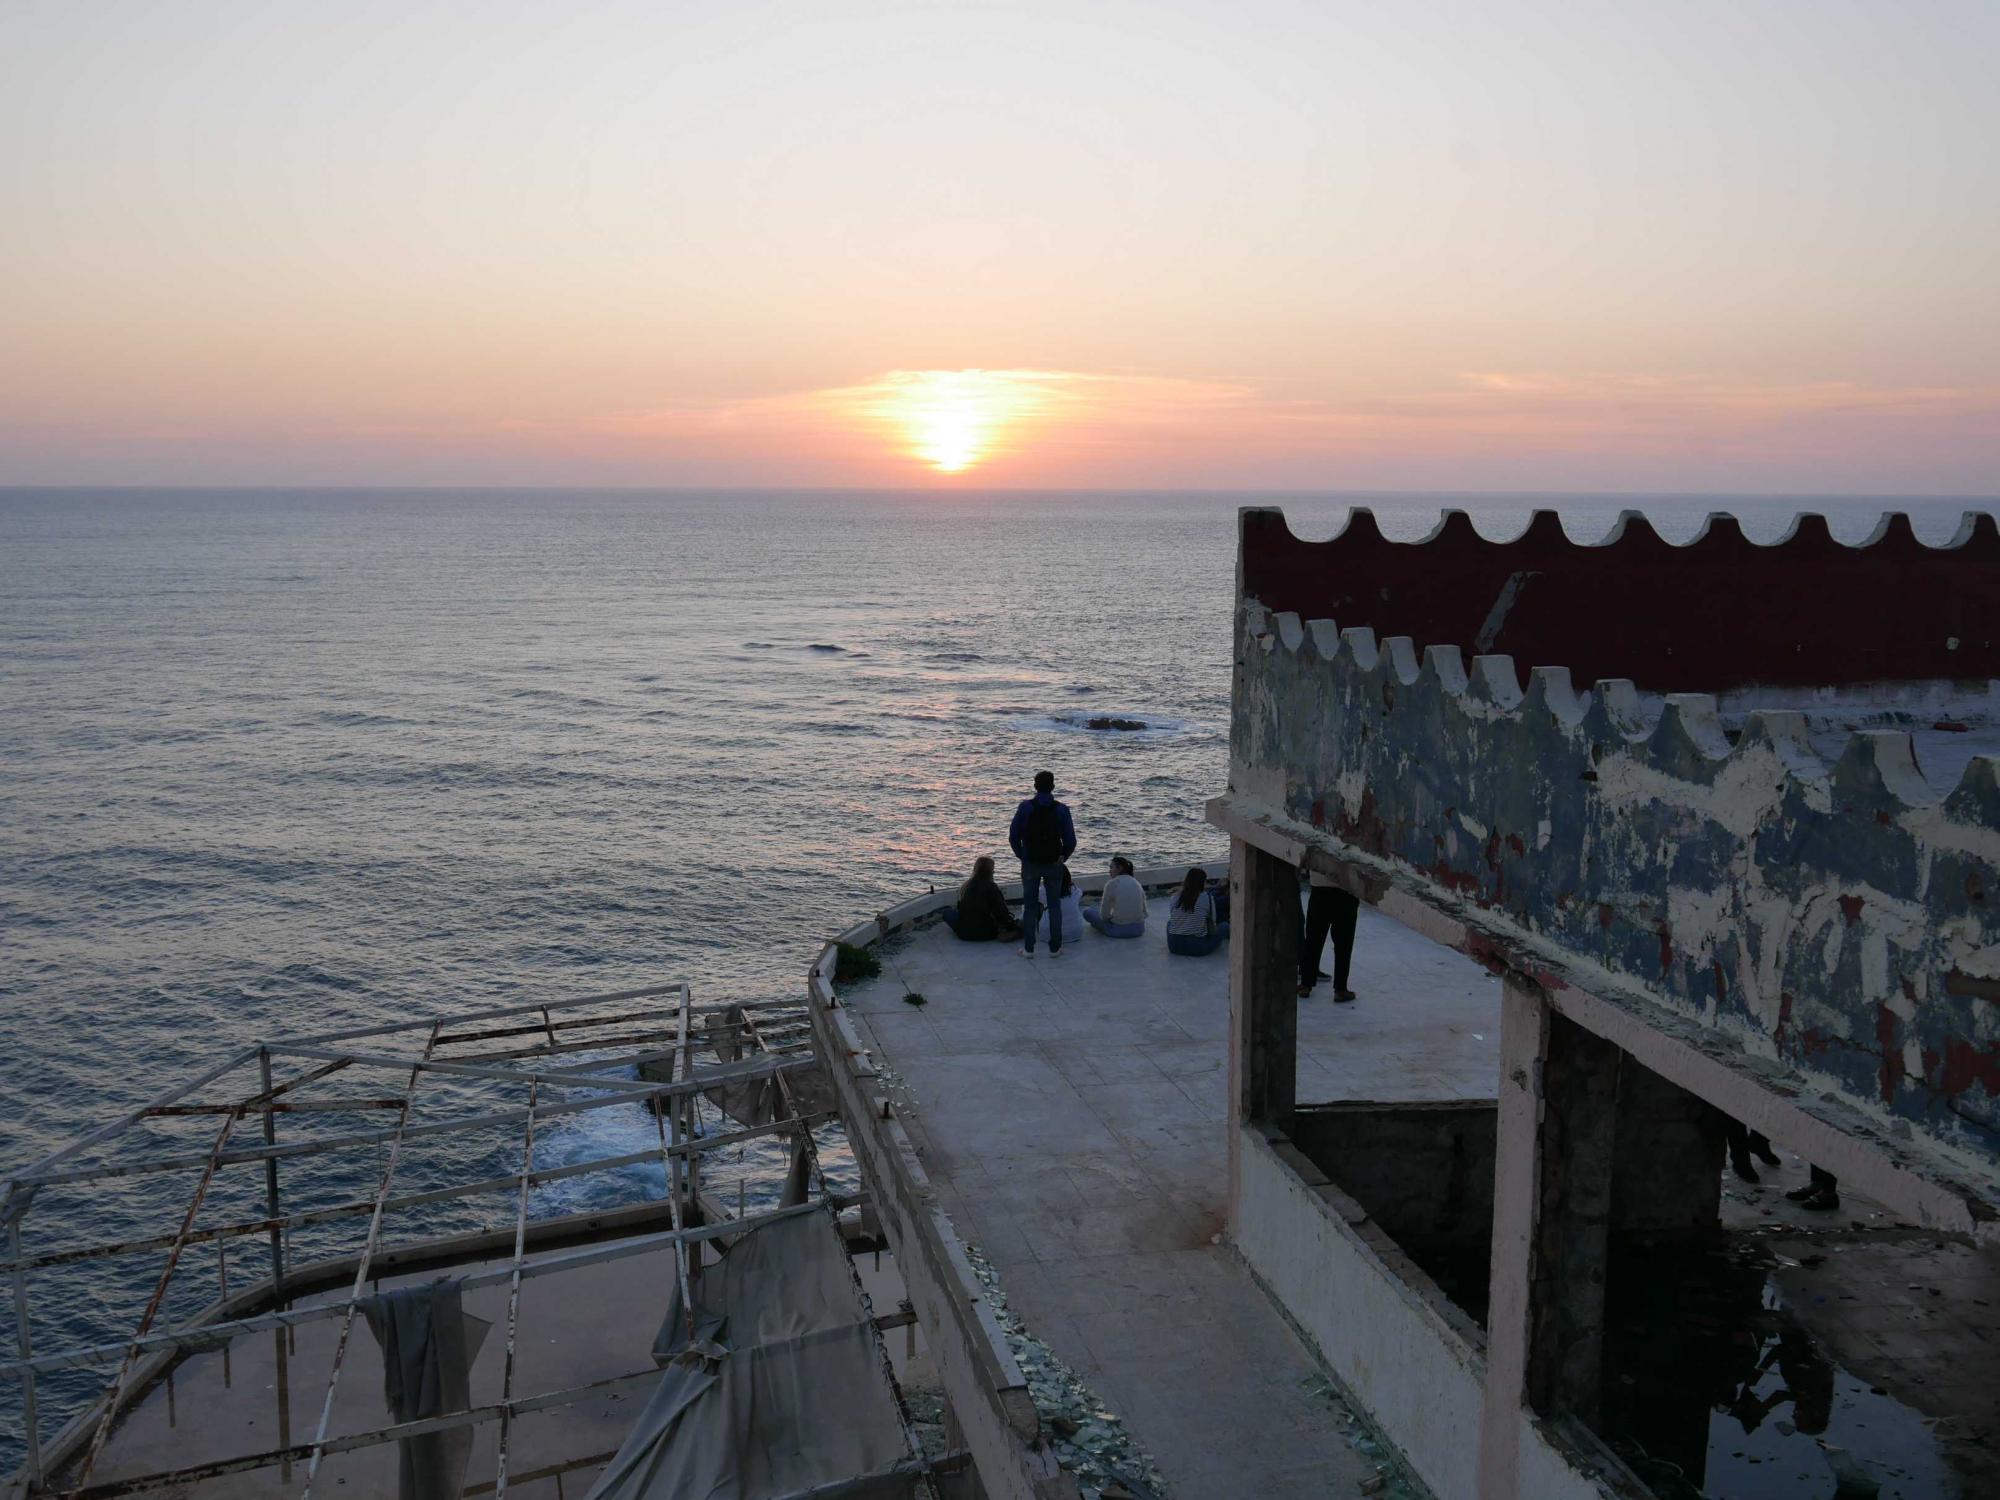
[1690, 247]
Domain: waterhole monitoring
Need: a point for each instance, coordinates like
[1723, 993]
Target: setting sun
[953, 420]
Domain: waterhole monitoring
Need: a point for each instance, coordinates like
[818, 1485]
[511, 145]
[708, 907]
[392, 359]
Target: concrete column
[1263, 995]
[1578, 1150]
[1671, 1145]
[1524, 1020]
[1555, 1151]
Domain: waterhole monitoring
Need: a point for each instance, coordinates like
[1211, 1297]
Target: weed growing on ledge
[851, 963]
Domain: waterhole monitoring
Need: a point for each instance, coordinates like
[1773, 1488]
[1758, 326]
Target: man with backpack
[1043, 837]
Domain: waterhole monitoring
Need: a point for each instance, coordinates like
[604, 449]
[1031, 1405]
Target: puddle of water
[1715, 1389]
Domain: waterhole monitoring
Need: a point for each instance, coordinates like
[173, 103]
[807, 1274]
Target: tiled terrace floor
[1071, 1112]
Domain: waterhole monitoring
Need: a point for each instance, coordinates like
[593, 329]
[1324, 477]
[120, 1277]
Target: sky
[1468, 245]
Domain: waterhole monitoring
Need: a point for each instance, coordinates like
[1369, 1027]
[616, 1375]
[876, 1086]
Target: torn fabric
[796, 1397]
[425, 1373]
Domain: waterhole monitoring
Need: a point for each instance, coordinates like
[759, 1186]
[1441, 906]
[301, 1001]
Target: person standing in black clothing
[1745, 1143]
[1329, 911]
[1043, 837]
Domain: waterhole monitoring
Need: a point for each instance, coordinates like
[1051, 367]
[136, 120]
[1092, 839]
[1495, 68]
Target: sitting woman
[1122, 914]
[1192, 926]
[1070, 901]
[981, 915]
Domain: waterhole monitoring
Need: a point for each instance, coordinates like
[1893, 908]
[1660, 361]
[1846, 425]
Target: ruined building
[1724, 819]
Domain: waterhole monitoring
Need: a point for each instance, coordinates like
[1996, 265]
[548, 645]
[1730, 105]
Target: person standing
[1042, 836]
[1329, 910]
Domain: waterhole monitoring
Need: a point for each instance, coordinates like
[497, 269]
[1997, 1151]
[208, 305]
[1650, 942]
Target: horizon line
[10, 488]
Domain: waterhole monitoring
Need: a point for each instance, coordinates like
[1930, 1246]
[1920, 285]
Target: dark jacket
[1017, 833]
[982, 912]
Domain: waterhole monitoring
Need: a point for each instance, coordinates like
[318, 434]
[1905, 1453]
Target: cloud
[1480, 429]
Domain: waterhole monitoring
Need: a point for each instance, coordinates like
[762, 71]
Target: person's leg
[1822, 1192]
[1052, 880]
[1346, 910]
[1123, 929]
[1031, 903]
[1760, 1147]
[1319, 921]
[1095, 918]
[1738, 1137]
[950, 915]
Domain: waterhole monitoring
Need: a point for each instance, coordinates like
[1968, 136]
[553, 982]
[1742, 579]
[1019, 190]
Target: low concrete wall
[987, 1391]
[988, 1394]
[1408, 1357]
[1424, 1172]
[920, 911]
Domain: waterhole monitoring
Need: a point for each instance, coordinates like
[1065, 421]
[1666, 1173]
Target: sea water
[289, 761]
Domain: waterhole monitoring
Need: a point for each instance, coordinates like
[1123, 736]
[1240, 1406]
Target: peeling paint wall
[1843, 918]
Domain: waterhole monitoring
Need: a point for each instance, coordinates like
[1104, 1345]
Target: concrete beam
[1911, 1175]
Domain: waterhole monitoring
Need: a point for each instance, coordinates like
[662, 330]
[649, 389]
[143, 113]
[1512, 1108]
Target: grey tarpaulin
[424, 1374]
[756, 1101]
[796, 1398]
[798, 1174]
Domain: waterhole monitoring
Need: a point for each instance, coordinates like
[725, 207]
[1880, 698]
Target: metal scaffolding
[461, 1080]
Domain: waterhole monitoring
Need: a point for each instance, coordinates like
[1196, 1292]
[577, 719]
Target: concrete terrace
[1071, 1115]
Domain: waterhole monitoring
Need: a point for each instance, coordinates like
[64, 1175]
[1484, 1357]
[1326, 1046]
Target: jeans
[1328, 909]
[1195, 944]
[1113, 929]
[1034, 879]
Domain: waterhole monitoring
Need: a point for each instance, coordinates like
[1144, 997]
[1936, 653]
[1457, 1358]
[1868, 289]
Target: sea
[295, 760]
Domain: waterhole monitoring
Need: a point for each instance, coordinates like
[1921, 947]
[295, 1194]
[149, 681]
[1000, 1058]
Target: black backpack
[1043, 836]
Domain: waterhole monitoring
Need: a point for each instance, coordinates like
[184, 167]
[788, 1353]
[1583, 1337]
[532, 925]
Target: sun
[955, 420]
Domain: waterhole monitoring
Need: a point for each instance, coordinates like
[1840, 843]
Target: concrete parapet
[988, 1394]
[1842, 919]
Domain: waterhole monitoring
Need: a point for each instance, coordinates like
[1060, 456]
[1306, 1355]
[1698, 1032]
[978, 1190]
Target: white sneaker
[1027, 953]
[1055, 953]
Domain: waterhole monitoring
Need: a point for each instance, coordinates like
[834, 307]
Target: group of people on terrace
[1043, 837]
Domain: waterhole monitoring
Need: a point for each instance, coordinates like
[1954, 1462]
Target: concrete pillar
[1524, 1020]
[1671, 1145]
[1553, 1166]
[1578, 1150]
[1263, 995]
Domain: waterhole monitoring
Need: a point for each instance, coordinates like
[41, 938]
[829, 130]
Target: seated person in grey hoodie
[981, 915]
[1069, 907]
[1122, 912]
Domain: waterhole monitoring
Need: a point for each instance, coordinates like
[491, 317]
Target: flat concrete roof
[1071, 1114]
